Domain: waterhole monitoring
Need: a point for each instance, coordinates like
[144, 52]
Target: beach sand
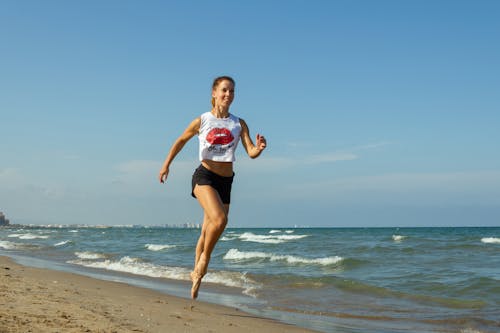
[41, 300]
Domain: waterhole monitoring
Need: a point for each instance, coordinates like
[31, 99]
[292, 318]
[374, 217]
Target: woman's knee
[219, 221]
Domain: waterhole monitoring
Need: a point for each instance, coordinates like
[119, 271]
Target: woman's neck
[220, 112]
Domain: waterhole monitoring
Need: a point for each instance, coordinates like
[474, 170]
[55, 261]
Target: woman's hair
[217, 81]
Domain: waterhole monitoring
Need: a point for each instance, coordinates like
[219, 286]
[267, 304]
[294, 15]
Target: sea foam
[139, 267]
[226, 238]
[27, 236]
[63, 243]
[158, 247]
[269, 239]
[90, 255]
[398, 238]
[9, 245]
[490, 240]
[236, 255]
[17, 246]
[136, 266]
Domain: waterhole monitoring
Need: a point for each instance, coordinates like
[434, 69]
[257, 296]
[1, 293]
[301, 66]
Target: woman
[219, 133]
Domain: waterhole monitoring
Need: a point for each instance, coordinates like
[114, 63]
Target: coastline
[44, 300]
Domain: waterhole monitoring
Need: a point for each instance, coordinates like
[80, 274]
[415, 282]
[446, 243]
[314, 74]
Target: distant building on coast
[183, 226]
[3, 219]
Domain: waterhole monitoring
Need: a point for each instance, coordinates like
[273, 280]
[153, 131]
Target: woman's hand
[163, 174]
[260, 142]
[188, 133]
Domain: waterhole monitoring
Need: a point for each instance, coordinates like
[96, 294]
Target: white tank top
[218, 137]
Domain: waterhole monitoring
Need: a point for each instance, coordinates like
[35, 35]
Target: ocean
[327, 279]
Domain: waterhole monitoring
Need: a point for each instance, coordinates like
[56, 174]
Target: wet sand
[41, 300]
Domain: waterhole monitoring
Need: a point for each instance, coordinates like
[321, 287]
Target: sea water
[327, 279]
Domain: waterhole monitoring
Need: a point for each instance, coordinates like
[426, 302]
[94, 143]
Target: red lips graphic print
[220, 136]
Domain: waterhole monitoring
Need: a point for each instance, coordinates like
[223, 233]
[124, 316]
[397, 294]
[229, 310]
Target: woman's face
[224, 93]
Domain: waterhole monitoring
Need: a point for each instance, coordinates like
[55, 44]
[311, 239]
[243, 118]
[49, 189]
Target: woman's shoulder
[195, 124]
[241, 121]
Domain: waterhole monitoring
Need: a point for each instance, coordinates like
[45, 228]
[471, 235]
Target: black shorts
[203, 176]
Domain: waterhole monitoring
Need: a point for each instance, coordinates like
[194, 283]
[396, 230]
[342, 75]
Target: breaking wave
[269, 239]
[274, 237]
[27, 236]
[398, 238]
[236, 255]
[139, 267]
[90, 255]
[6, 245]
[158, 247]
[490, 240]
[63, 243]
[227, 238]
[9, 245]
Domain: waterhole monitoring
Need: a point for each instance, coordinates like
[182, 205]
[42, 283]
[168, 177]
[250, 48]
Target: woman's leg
[214, 223]
[201, 240]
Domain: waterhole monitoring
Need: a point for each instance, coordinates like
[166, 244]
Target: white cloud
[272, 163]
[437, 181]
[140, 178]
[13, 180]
[10, 177]
[463, 187]
[264, 164]
[135, 167]
[371, 146]
[135, 176]
[48, 192]
[72, 157]
[330, 158]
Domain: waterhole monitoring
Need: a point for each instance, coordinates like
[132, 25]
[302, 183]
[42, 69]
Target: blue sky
[377, 113]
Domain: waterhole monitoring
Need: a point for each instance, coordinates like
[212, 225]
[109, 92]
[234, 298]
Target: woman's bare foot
[196, 278]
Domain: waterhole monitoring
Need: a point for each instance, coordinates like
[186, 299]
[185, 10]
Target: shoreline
[46, 300]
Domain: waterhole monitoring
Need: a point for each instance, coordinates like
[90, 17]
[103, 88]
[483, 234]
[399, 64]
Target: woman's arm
[189, 132]
[252, 150]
